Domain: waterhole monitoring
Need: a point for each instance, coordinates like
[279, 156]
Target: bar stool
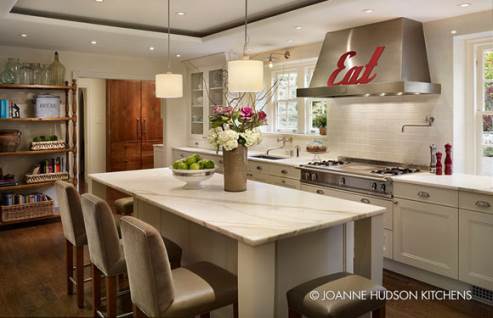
[75, 237]
[158, 291]
[310, 299]
[105, 251]
[124, 206]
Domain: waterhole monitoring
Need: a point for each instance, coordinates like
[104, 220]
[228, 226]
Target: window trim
[479, 103]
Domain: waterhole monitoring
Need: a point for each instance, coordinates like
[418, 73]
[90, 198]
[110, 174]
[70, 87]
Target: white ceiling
[267, 34]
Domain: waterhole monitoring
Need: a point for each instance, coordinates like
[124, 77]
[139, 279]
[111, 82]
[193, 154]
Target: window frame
[479, 107]
[301, 67]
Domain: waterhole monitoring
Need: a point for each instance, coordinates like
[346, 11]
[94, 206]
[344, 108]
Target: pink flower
[222, 110]
[262, 116]
[246, 112]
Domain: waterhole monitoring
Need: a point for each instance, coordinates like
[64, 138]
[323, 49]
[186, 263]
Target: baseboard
[425, 276]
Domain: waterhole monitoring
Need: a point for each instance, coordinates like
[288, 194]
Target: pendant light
[169, 85]
[245, 75]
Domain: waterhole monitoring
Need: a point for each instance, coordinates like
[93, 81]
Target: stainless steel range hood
[380, 59]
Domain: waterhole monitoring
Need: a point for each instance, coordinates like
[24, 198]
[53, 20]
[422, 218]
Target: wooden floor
[32, 281]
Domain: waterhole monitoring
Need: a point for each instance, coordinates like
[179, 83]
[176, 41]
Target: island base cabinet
[426, 236]
[475, 252]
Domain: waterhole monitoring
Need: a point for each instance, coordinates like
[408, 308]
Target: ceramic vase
[235, 169]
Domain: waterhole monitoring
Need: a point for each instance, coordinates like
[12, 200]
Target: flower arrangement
[233, 126]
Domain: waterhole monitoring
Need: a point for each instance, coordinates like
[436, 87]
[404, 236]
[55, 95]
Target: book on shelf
[9, 109]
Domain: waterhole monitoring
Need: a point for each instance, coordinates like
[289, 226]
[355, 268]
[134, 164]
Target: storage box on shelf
[26, 212]
[48, 115]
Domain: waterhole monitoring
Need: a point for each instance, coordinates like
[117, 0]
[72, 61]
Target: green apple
[195, 166]
[180, 165]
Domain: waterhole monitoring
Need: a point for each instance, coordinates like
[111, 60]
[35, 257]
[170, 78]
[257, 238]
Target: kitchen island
[272, 237]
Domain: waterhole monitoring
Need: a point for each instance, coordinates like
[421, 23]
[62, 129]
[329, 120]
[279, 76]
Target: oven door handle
[344, 174]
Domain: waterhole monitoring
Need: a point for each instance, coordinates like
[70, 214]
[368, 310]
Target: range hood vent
[381, 59]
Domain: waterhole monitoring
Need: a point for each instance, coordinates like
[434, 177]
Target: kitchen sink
[268, 157]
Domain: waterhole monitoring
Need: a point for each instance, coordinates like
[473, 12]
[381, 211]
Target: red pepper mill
[439, 164]
[448, 159]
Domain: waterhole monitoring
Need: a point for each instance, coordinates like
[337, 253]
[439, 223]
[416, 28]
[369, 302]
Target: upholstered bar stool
[75, 237]
[124, 206]
[158, 291]
[315, 299]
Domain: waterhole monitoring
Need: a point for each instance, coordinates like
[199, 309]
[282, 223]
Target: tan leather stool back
[105, 250]
[149, 272]
[71, 213]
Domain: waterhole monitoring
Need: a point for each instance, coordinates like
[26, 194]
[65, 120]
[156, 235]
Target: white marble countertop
[264, 213]
[457, 181]
[293, 161]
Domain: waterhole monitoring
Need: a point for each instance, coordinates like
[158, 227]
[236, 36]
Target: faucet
[297, 148]
[428, 123]
[283, 141]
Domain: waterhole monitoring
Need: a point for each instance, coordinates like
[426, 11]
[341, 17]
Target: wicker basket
[47, 145]
[46, 177]
[21, 212]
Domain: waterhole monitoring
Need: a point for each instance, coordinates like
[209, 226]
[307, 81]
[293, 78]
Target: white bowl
[193, 178]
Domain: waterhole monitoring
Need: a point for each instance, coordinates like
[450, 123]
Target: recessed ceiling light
[453, 32]
[299, 27]
[368, 10]
[180, 13]
[23, 35]
[178, 55]
[99, 1]
[94, 42]
[464, 5]
[151, 48]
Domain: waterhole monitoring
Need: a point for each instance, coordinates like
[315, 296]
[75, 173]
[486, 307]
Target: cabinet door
[426, 236]
[123, 111]
[475, 256]
[125, 156]
[197, 103]
[152, 122]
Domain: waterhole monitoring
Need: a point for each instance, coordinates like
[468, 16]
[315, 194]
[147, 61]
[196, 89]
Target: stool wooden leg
[137, 312]
[96, 290]
[69, 262]
[235, 310]
[379, 313]
[111, 295]
[293, 314]
[79, 273]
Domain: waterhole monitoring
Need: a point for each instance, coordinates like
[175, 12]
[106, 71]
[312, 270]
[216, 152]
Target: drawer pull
[364, 200]
[220, 161]
[424, 195]
[284, 171]
[259, 168]
[182, 155]
[283, 181]
[483, 204]
[249, 175]
[320, 191]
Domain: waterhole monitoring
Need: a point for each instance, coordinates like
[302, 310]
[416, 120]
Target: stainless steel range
[356, 175]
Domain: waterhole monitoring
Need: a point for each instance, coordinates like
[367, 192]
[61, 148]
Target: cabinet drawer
[284, 182]
[426, 194]
[476, 202]
[284, 171]
[388, 205]
[387, 243]
[257, 167]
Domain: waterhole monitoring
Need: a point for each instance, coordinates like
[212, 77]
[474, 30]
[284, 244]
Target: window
[292, 114]
[484, 109]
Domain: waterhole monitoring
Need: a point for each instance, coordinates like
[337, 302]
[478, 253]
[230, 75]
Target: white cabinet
[206, 91]
[475, 248]
[387, 244]
[426, 236]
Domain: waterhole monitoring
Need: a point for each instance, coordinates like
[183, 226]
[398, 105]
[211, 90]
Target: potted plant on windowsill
[320, 121]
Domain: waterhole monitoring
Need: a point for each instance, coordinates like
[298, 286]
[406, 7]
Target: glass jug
[57, 71]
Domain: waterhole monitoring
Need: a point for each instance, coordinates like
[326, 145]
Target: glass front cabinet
[207, 91]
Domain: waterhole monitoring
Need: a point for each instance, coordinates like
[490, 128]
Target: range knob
[342, 181]
[306, 175]
[314, 177]
[374, 186]
[383, 187]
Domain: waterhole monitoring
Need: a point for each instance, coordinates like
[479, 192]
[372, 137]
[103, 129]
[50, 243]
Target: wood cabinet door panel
[125, 156]
[152, 122]
[123, 110]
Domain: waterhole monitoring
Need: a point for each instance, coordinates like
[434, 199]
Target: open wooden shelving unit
[70, 91]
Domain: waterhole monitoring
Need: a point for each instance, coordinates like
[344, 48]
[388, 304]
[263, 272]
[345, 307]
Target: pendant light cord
[246, 27]
[169, 32]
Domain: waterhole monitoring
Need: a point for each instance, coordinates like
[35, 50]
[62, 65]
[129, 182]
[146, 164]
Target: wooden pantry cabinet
[134, 124]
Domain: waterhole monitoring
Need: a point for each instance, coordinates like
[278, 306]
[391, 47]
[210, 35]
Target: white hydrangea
[252, 137]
